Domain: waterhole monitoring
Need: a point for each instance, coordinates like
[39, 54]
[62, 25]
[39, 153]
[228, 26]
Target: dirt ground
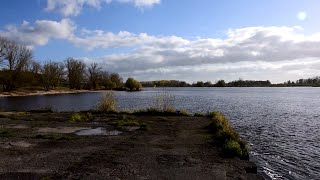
[46, 146]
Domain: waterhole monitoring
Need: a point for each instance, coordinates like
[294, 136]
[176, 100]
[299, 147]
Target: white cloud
[302, 15]
[40, 32]
[274, 53]
[100, 39]
[74, 7]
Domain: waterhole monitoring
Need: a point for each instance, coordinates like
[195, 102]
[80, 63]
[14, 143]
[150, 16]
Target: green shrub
[78, 117]
[5, 133]
[232, 148]
[107, 103]
[224, 133]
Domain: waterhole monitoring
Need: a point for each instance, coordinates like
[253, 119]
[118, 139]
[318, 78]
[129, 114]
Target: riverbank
[40, 92]
[112, 146]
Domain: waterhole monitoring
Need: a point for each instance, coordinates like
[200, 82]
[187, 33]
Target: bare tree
[94, 75]
[51, 74]
[3, 44]
[34, 67]
[76, 72]
[14, 59]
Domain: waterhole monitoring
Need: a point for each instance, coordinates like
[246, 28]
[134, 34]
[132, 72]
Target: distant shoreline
[43, 93]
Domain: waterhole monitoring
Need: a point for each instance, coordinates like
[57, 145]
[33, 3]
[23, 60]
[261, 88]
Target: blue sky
[173, 39]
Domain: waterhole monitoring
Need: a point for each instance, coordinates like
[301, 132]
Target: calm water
[281, 124]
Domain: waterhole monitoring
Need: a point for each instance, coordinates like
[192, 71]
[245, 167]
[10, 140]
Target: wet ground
[113, 146]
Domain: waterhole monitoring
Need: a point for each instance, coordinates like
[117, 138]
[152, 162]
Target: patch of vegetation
[164, 102]
[156, 112]
[80, 117]
[184, 112]
[198, 114]
[233, 145]
[125, 121]
[107, 103]
[45, 178]
[232, 148]
[163, 118]
[5, 133]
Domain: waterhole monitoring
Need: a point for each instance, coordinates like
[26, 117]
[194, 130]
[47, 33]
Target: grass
[125, 121]
[5, 133]
[156, 112]
[80, 117]
[233, 145]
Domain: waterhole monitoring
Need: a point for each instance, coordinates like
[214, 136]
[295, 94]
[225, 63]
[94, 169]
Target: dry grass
[107, 103]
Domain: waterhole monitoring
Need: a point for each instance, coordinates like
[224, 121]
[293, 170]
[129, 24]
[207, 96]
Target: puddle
[97, 131]
[132, 128]
[60, 130]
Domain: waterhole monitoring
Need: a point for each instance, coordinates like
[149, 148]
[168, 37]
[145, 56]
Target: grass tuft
[80, 117]
[233, 145]
[107, 103]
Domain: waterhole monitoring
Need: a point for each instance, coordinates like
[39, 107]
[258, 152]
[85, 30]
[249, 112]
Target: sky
[189, 40]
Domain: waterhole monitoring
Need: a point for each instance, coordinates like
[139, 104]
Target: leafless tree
[14, 59]
[51, 74]
[34, 67]
[76, 72]
[94, 74]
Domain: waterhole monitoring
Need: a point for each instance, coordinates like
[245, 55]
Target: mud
[176, 147]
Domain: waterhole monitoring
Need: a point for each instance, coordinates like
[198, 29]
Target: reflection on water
[281, 124]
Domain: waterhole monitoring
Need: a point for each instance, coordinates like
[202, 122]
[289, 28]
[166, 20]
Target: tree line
[220, 83]
[18, 69]
[315, 82]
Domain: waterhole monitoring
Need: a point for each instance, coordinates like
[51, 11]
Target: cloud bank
[74, 7]
[274, 53]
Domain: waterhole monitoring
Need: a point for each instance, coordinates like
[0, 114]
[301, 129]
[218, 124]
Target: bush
[78, 117]
[164, 102]
[107, 103]
[233, 145]
[232, 148]
[132, 84]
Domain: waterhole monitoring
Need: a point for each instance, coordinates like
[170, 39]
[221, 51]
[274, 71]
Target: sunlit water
[281, 124]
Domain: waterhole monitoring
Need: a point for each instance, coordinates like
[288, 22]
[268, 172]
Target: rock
[252, 169]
